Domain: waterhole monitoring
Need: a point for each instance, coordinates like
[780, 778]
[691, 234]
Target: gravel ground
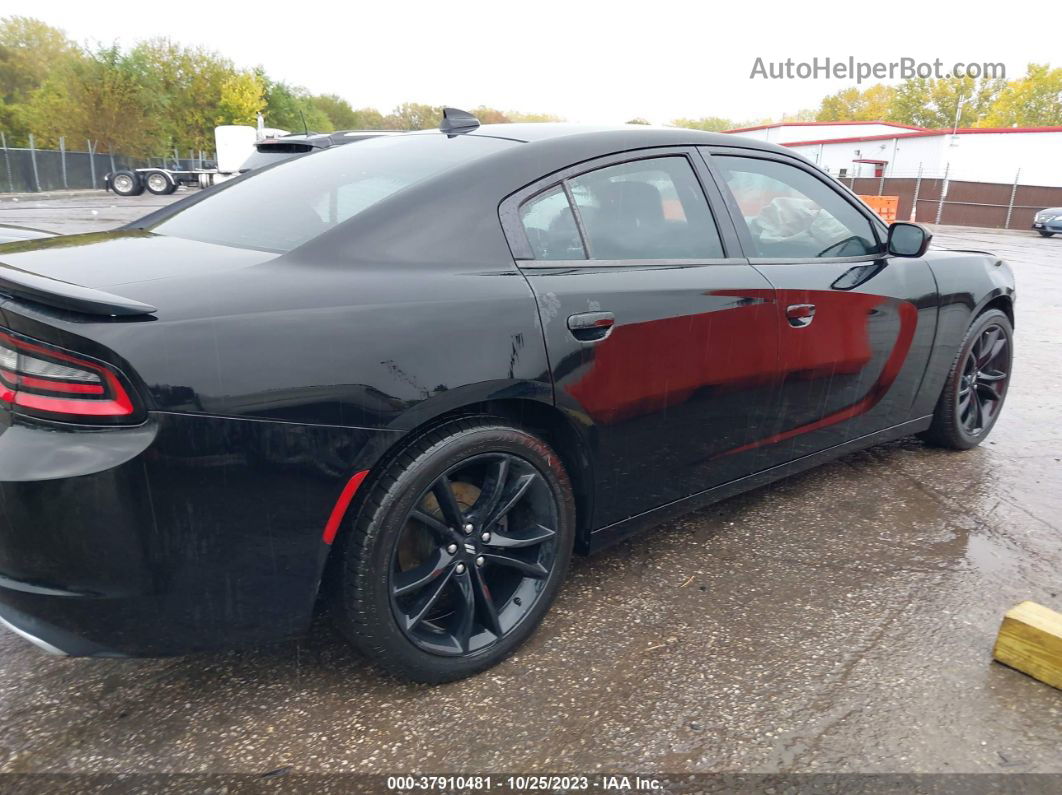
[839, 621]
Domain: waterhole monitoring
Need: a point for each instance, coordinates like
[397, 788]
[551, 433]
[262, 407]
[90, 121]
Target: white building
[874, 149]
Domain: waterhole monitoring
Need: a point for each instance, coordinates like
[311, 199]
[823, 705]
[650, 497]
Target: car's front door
[661, 336]
[855, 327]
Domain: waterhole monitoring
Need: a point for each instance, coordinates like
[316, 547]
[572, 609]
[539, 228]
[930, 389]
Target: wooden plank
[1030, 640]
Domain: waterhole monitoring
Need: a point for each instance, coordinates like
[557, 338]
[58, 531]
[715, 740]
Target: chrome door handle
[591, 326]
[800, 315]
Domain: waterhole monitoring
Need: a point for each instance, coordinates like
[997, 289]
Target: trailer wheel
[127, 183]
[160, 183]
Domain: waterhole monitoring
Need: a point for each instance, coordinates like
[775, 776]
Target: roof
[924, 134]
[820, 124]
[638, 134]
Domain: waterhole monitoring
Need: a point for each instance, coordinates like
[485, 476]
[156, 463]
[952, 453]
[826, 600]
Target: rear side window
[283, 207]
[646, 209]
[792, 214]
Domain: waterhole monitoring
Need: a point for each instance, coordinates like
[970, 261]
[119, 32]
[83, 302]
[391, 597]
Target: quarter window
[791, 214]
[550, 226]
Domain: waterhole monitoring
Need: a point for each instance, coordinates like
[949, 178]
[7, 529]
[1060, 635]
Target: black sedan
[408, 379]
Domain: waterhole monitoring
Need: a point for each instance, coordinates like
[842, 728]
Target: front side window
[646, 209]
[791, 214]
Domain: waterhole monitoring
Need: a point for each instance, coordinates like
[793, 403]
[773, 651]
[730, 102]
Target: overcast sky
[586, 61]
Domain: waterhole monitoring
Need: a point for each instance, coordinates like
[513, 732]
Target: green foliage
[518, 117]
[292, 109]
[709, 123]
[637, 120]
[1033, 101]
[936, 103]
[851, 104]
[29, 52]
[415, 116]
[98, 98]
[242, 98]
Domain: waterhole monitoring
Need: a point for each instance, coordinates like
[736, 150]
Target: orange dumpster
[884, 206]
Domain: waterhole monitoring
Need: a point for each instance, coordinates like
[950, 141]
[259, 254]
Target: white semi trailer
[234, 144]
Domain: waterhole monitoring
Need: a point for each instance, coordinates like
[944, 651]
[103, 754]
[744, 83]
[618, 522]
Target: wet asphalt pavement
[839, 621]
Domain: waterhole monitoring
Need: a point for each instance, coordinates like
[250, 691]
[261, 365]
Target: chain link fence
[32, 170]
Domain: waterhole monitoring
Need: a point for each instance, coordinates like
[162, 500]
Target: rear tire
[423, 596]
[973, 395]
[127, 183]
[1045, 234]
[160, 183]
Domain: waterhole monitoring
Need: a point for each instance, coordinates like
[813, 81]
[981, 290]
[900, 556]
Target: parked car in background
[1048, 222]
[410, 378]
[274, 150]
[9, 233]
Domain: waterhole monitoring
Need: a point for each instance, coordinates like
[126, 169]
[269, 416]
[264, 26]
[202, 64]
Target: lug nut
[480, 561]
[468, 528]
[460, 568]
[485, 537]
[452, 548]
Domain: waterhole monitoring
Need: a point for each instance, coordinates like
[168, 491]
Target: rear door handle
[800, 315]
[591, 326]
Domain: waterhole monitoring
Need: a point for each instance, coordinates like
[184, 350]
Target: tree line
[160, 96]
[1033, 100]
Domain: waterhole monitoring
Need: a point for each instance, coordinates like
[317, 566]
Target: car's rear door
[661, 337]
[855, 326]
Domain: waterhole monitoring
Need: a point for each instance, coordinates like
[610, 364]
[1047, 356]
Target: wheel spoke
[987, 392]
[485, 602]
[466, 609]
[535, 535]
[491, 494]
[978, 413]
[444, 493]
[523, 483]
[991, 343]
[439, 529]
[426, 601]
[986, 376]
[535, 570]
[406, 582]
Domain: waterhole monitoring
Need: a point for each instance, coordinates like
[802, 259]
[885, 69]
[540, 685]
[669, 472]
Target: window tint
[792, 214]
[550, 226]
[295, 201]
[646, 209]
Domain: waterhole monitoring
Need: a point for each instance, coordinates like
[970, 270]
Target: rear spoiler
[22, 284]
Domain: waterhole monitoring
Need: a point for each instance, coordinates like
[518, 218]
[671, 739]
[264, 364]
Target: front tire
[1045, 234]
[457, 552]
[976, 387]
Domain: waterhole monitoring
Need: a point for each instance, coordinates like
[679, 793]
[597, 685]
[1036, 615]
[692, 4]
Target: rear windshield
[285, 206]
[267, 158]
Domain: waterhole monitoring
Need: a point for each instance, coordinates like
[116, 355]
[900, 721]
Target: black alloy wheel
[457, 550]
[976, 387]
[474, 555]
[984, 380]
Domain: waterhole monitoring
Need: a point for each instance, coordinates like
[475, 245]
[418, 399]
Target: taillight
[56, 385]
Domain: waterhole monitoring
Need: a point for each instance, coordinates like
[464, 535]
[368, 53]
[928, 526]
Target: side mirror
[908, 240]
